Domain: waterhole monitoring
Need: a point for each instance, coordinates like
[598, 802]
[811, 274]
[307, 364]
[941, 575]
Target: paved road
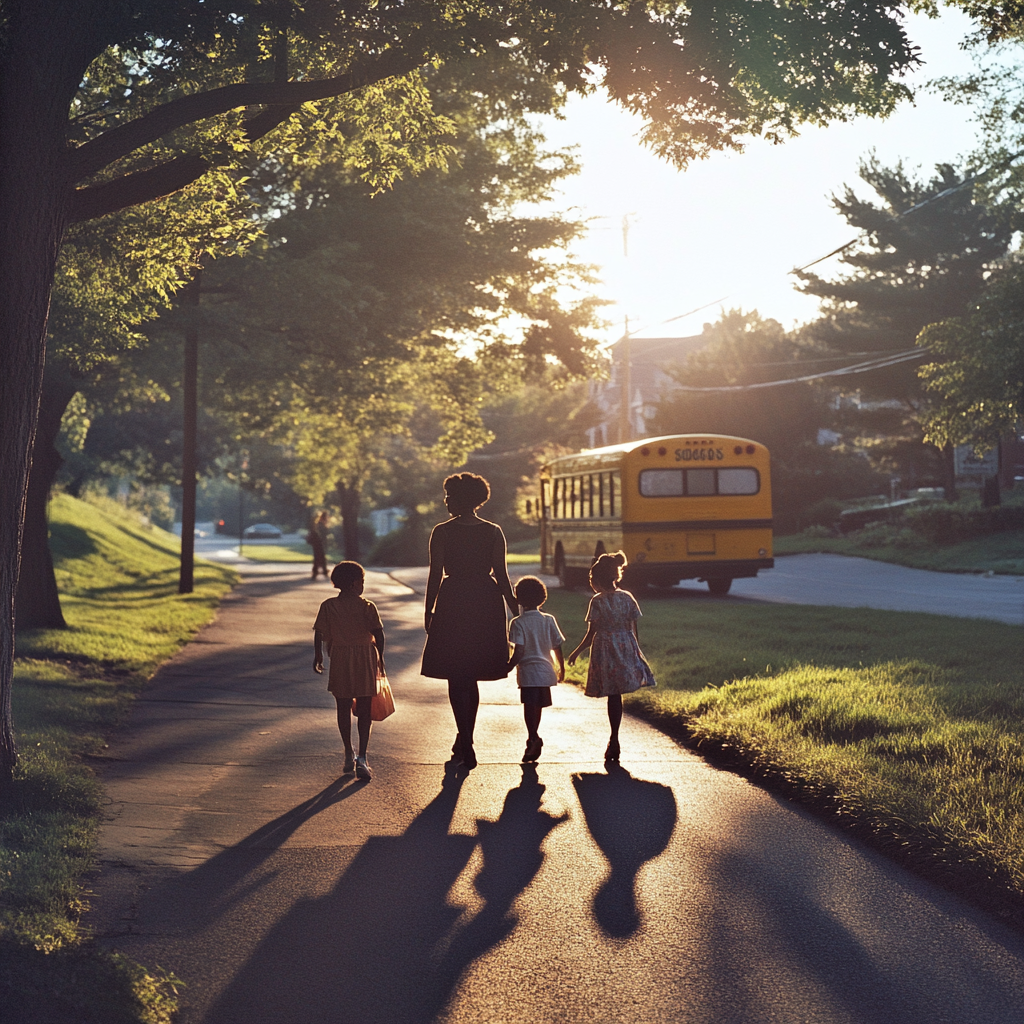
[818, 579]
[843, 582]
[236, 855]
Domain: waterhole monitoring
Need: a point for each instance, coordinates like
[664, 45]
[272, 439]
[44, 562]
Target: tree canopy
[203, 84]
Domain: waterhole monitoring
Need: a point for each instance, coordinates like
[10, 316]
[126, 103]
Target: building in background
[649, 360]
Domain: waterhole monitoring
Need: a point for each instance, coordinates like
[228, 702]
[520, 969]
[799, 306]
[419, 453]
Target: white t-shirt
[539, 635]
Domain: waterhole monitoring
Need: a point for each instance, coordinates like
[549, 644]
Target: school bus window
[600, 494]
[614, 487]
[590, 495]
[700, 482]
[738, 481]
[662, 483]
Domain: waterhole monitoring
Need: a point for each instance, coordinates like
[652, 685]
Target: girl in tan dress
[352, 630]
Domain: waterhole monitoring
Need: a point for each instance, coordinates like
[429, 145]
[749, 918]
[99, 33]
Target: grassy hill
[118, 580]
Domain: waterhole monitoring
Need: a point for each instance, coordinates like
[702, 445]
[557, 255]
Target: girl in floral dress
[617, 665]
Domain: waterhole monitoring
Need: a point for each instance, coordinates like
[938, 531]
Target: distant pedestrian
[617, 664]
[317, 540]
[535, 636]
[467, 635]
[352, 630]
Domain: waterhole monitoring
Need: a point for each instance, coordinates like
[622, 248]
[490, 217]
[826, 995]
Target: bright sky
[734, 225]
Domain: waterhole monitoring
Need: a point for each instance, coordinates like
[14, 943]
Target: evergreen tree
[909, 269]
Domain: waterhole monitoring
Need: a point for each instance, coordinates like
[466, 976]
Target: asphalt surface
[841, 582]
[237, 855]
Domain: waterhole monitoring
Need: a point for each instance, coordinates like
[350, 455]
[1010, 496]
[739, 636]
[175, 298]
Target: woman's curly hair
[467, 490]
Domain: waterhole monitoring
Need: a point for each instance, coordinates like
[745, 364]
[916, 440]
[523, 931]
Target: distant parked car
[262, 531]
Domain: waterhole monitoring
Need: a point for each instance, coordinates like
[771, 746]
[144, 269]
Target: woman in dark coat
[467, 633]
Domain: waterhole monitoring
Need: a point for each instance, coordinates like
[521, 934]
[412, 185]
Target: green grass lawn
[908, 727]
[118, 582]
[300, 552]
[998, 552]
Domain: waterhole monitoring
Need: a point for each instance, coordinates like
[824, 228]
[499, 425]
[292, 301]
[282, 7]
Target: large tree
[908, 270]
[976, 378]
[114, 275]
[357, 311]
[205, 83]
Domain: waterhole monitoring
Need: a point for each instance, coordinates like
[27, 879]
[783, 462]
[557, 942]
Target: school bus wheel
[719, 586]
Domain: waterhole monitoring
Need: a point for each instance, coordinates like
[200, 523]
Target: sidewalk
[237, 855]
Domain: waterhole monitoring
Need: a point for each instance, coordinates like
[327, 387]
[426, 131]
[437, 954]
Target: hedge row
[947, 524]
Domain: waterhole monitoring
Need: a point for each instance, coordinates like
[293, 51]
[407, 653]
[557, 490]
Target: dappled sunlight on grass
[118, 582]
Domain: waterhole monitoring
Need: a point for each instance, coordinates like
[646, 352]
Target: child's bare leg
[531, 714]
[363, 723]
[345, 723]
[615, 714]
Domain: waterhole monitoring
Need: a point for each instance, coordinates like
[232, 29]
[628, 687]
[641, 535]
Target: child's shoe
[612, 753]
[532, 752]
[362, 769]
[349, 764]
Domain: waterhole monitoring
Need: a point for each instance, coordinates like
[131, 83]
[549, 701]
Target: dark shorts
[536, 696]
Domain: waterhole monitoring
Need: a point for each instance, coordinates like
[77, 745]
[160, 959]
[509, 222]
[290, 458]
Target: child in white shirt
[535, 635]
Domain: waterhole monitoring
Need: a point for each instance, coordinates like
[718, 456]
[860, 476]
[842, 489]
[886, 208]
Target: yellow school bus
[689, 506]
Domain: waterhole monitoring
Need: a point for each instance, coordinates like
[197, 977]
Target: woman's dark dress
[468, 636]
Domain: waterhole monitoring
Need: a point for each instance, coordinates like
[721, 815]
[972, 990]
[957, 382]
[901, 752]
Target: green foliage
[530, 424]
[362, 336]
[977, 379]
[907, 272]
[118, 581]
[944, 524]
[996, 553]
[744, 348]
[823, 513]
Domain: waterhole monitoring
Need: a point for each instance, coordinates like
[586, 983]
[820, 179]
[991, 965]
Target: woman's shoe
[363, 769]
[612, 753]
[468, 757]
[349, 764]
[532, 752]
[457, 749]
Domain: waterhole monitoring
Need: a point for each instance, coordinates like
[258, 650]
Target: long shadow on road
[386, 944]
[632, 821]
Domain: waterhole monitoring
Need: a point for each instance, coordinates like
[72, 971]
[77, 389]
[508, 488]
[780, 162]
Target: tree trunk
[37, 604]
[949, 472]
[350, 502]
[43, 58]
[190, 392]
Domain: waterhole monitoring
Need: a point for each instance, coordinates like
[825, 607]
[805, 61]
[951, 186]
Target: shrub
[823, 513]
[950, 524]
[406, 546]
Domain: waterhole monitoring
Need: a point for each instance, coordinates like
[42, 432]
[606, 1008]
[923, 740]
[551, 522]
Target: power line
[981, 176]
[917, 206]
[866, 367]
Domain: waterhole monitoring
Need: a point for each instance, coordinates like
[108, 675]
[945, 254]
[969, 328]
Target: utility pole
[625, 425]
[189, 462]
[243, 465]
